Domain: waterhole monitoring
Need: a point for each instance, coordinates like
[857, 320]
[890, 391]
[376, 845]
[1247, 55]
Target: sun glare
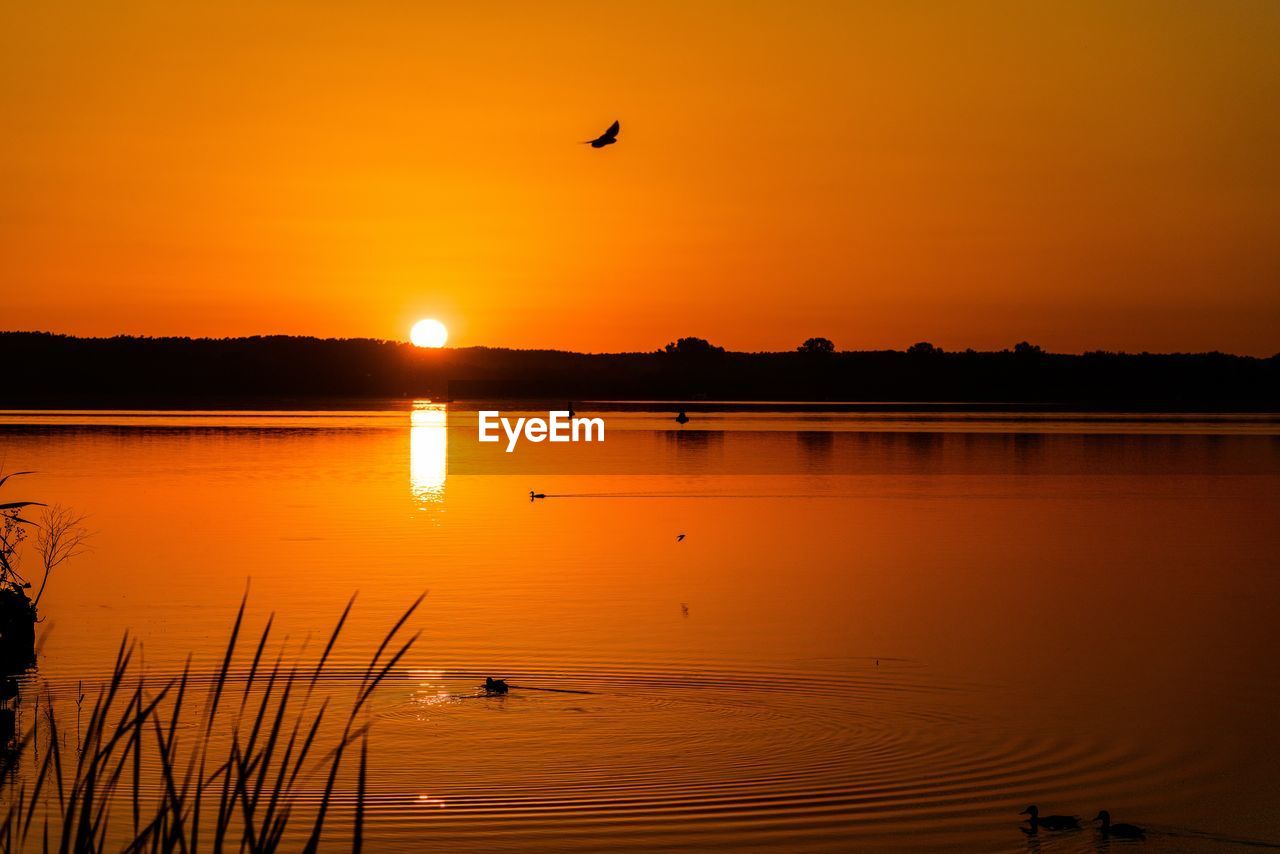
[428, 333]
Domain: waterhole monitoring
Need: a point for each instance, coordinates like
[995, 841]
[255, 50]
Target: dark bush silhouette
[48, 538]
[692, 347]
[817, 345]
[924, 348]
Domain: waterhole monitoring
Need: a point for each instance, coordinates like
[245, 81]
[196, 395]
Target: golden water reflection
[964, 562]
[428, 449]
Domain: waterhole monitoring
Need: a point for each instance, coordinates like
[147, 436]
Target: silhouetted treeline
[43, 370]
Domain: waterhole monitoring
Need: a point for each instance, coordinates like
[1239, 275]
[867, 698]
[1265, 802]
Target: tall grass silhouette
[149, 773]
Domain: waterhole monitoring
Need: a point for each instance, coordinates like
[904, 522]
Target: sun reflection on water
[428, 444]
[428, 801]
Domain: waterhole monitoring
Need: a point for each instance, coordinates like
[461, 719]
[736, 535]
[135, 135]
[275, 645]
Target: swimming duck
[496, 686]
[1050, 822]
[682, 418]
[533, 495]
[1121, 831]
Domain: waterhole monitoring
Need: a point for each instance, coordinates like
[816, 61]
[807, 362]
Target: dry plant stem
[60, 536]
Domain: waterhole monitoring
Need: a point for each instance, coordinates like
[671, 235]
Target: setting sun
[428, 333]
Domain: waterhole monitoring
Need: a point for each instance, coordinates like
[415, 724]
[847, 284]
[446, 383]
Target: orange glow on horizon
[1084, 175]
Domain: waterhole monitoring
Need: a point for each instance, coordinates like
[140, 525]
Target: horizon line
[656, 350]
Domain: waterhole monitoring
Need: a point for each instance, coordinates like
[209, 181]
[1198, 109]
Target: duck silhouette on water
[495, 686]
[1050, 822]
[1119, 831]
[682, 418]
[533, 495]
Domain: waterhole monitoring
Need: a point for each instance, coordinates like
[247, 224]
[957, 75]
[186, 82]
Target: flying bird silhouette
[609, 137]
[679, 538]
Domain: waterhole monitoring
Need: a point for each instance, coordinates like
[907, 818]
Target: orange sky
[1084, 175]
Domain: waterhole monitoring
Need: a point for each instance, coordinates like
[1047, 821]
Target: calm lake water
[898, 637]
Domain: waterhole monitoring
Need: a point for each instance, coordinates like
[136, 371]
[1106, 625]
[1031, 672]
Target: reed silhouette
[215, 792]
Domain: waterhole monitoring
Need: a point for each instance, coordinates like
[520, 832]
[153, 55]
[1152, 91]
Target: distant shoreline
[57, 371]
[918, 410]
